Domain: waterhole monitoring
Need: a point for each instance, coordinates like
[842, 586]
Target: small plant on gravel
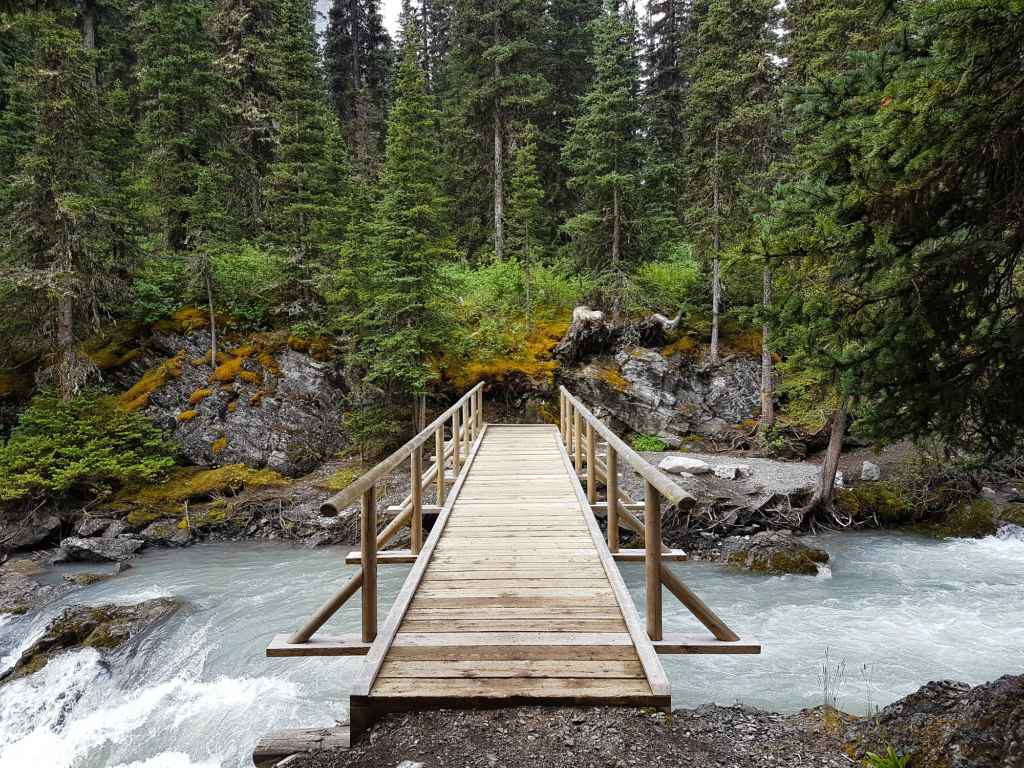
[649, 444]
[831, 678]
[891, 759]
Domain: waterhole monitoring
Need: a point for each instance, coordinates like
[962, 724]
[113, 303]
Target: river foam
[199, 691]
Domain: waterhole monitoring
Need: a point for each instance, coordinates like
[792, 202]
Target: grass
[649, 444]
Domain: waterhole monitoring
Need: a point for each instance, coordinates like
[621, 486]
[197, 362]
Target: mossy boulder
[773, 552]
[1012, 513]
[881, 501]
[104, 627]
[970, 520]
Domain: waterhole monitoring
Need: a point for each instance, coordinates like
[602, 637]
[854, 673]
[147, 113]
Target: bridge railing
[580, 428]
[464, 419]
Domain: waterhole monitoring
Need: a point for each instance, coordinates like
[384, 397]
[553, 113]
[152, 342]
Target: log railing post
[612, 485]
[577, 434]
[479, 410]
[456, 443]
[591, 465]
[465, 429]
[567, 436]
[439, 459]
[652, 560]
[368, 533]
[416, 475]
[561, 415]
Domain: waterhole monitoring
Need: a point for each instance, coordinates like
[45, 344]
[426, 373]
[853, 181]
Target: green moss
[1012, 513]
[882, 501]
[649, 444]
[341, 479]
[970, 520]
[807, 398]
[151, 502]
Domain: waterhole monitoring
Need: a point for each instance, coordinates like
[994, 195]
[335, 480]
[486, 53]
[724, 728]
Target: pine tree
[62, 248]
[604, 152]
[733, 128]
[494, 73]
[358, 56]
[409, 241]
[528, 221]
[309, 181]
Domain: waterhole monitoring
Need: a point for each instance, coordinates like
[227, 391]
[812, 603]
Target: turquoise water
[198, 692]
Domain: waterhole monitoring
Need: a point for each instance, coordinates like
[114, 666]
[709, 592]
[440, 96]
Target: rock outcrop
[101, 550]
[670, 397]
[21, 531]
[950, 725]
[20, 593]
[267, 403]
[104, 627]
[773, 552]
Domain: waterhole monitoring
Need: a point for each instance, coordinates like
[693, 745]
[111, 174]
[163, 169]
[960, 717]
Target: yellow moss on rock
[532, 359]
[219, 445]
[144, 504]
[317, 347]
[613, 378]
[686, 346]
[138, 396]
[341, 479]
[232, 406]
[228, 371]
[186, 416]
[199, 395]
[268, 363]
[250, 377]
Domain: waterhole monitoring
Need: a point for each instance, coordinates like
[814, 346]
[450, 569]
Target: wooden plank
[512, 652]
[684, 644]
[318, 645]
[504, 688]
[645, 650]
[512, 582]
[490, 668]
[513, 638]
[638, 555]
[387, 557]
[586, 612]
[491, 624]
[375, 657]
[510, 601]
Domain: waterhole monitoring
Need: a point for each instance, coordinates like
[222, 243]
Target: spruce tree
[409, 241]
[604, 152]
[357, 54]
[62, 246]
[528, 221]
[495, 77]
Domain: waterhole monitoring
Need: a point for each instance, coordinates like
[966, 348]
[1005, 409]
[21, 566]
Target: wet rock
[870, 472]
[19, 530]
[20, 593]
[104, 627]
[947, 724]
[675, 396]
[773, 552]
[166, 532]
[101, 550]
[679, 464]
[86, 579]
[731, 471]
[93, 526]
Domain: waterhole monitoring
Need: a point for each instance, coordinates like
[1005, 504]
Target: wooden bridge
[514, 597]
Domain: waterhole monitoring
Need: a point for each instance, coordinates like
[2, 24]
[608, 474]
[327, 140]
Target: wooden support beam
[652, 560]
[385, 557]
[426, 509]
[275, 747]
[368, 547]
[591, 468]
[577, 433]
[680, 644]
[600, 508]
[439, 456]
[696, 606]
[321, 645]
[416, 480]
[612, 485]
[456, 443]
[639, 555]
[328, 609]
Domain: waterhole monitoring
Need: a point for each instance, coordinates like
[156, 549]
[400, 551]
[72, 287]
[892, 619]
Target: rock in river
[680, 464]
[101, 550]
[774, 552]
[103, 627]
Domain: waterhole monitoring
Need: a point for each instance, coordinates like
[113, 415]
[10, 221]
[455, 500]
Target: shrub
[668, 285]
[648, 444]
[891, 759]
[88, 445]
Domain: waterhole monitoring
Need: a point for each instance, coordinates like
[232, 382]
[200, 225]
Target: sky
[389, 10]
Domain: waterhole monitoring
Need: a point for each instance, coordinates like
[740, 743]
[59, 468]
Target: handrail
[669, 490]
[355, 491]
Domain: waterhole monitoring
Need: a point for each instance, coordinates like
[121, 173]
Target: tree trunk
[499, 159]
[716, 264]
[88, 9]
[825, 490]
[767, 382]
[213, 321]
[616, 228]
[67, 356]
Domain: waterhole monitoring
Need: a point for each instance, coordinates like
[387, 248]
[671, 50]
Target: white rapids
[198, 692]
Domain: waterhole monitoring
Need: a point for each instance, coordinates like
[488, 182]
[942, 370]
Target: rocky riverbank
[943, 725]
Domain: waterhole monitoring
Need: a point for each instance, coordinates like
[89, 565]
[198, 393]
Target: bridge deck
[515, 597]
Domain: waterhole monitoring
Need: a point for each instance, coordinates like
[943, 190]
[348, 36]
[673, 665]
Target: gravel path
[736, 737]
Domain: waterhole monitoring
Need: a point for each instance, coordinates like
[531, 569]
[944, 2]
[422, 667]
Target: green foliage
[87, 445]
[373, 428]
[668, 285]
[649, 444]
[890, 759]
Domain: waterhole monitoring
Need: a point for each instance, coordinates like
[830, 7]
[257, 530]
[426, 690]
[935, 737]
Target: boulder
[870, 472]
[104, 627]
[773, 552]
[20, 531]
[101, 550]
[946, 724]
[731, 471]
[678, 464]
[19, 593]
[93, 526]
[166, 532]
[676, 396]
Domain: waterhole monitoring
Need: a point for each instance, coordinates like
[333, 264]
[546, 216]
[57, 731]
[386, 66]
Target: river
[895, 610]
